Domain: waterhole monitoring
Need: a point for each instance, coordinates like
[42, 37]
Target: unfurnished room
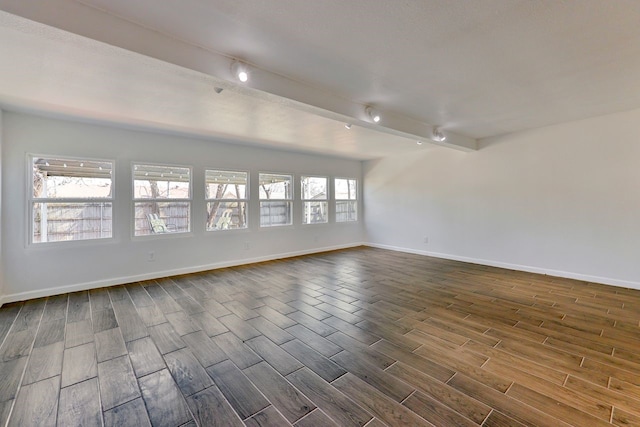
[319, 213]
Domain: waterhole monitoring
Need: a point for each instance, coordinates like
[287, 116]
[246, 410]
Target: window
[71, 199]
[346, 200]
[314, 199]
[276, 199]
[162, 199]
[226, 194]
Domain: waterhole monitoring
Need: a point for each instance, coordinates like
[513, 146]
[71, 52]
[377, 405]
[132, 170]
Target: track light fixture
[347, 125]
[218, 90]
[419, 142]
[372, 114]
[437, 135]
[240, 71]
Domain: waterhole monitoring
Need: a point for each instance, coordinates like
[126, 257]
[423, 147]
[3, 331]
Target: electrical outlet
[315, 239]
[246, 246]
[426, 239]
[151, 257]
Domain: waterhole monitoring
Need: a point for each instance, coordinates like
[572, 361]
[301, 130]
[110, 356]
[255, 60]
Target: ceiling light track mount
[438, 135]
[240, 71]
[372, 114]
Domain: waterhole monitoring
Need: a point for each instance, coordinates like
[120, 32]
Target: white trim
[245, 200]
[31, 199]
[134, 200]
[518, 267]
[304, 201]
[291, 200]
[21, 296]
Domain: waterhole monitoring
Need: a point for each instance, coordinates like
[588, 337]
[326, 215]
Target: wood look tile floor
[350, 338]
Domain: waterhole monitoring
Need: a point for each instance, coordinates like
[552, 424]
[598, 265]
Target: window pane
[64, 178]
[226, 184]
[274, 186]
[346, 211]
[226, 216]
[346, 189]
[314, 188]
[275, 213]
[161, 182]
[161, 217]
[55, 222]
[315, 212]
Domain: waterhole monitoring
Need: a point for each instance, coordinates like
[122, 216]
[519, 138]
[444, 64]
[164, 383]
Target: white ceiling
[477, 68]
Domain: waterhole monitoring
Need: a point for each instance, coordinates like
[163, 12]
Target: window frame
[290, 200]
[135, 200]
[246, 199]
[337, 200]
[31, 200]
[305, 201]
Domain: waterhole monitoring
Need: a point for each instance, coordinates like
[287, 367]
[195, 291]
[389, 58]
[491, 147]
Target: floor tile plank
[44, 362]
[109, 344]
[145, 357]
[164, 402]
[204, 349]
[335, 404]
[374, 376]
[270, 330]
[435, 412]
[424, 340]
[444, 393]
[131, 325]
[289, 401]
[327, 369]
[50, 332]
[79, 364]
[316, 418]
[10, 375]
[268, 417]
[187, 371]
[210, 408]
[166, 338]
[241, 328]
[118, 383]
[80, 405]
[78, 333]
[377, 403]
[236, 350]
[239, 391]
[36, 404]
[279, 359]
[131, 414]
[315, 341]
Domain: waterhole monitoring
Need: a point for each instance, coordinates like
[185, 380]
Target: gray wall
[561, 200]
[32, 270]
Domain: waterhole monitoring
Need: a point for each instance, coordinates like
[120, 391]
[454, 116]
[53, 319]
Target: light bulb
[438, 135]
[373, 114]
[239, 70]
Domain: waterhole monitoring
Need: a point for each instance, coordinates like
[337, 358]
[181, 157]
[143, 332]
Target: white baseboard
[518, 267]
[21, 296]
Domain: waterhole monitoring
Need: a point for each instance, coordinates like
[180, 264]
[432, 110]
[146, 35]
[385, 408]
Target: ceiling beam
[83, 20]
